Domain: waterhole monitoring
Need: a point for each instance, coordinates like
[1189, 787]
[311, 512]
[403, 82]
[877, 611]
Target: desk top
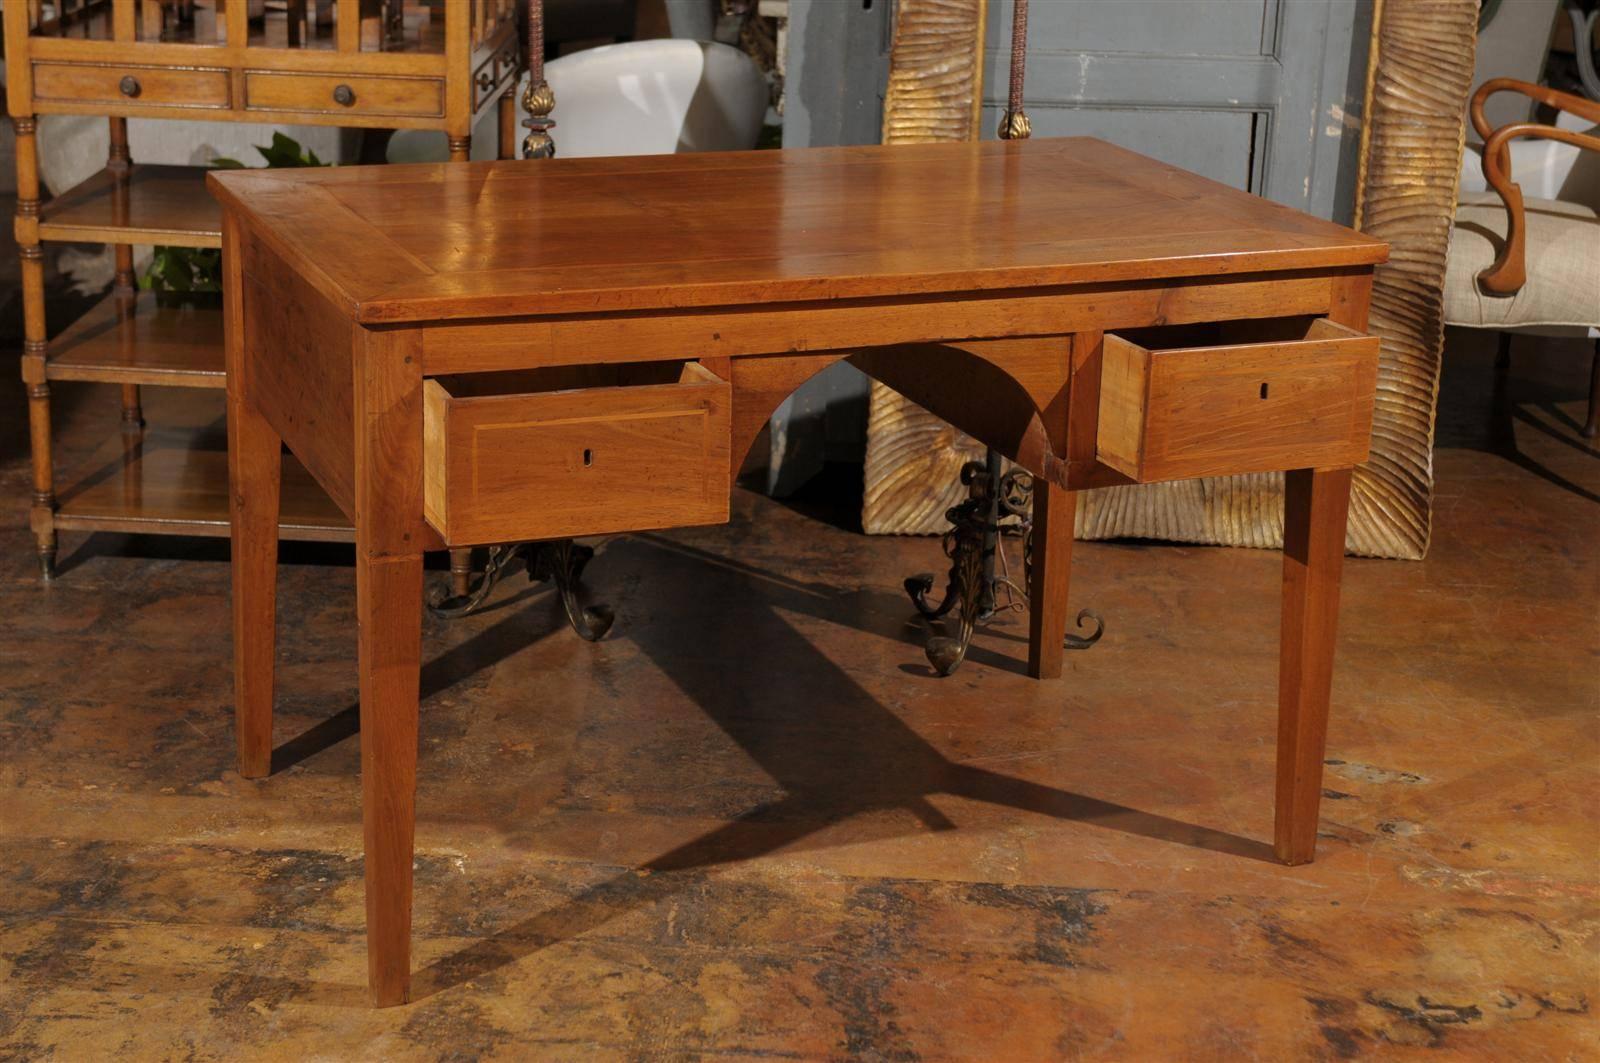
[473, 240]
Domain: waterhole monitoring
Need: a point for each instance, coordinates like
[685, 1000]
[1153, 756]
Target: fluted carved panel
[913, 469]
[914, 460]
[1420, 71]
[935, 65]
[1418, 81]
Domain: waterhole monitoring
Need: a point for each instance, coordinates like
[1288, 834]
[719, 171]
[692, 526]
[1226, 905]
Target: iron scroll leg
[996, 505]
[560, 561]
[966, 577]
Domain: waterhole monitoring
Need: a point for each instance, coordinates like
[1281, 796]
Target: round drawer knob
[344, 96]
[130, 86]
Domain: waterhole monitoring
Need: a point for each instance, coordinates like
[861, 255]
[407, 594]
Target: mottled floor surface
[751, 823]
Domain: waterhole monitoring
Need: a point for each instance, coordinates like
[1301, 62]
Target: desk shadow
[832, 748]
[485, 649]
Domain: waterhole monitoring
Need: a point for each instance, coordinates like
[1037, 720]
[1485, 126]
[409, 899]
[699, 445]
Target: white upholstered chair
[1525, 251]
[650, 97]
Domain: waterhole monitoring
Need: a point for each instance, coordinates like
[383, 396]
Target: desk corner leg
[1316, 505]
[389, 617]
[1054, 508]
[255, 472]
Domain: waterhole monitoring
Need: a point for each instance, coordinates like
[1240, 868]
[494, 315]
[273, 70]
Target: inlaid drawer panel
[405, 97]
[581, 450]
[1241, 397]
[124, 86]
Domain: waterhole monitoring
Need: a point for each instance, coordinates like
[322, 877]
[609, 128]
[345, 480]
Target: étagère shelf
[374, 64]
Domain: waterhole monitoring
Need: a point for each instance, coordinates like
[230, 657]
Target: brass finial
[1014, 125]
[539, 100]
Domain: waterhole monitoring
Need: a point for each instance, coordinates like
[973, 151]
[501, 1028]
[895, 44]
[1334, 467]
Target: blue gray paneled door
[1263, 95]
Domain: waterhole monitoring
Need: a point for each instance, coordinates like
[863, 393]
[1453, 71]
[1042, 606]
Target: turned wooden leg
[124, 283]
[42, 515]
[132, 411]
[461, 572]
[507, 114]
[1053, 510]
[254, 473]
[34, 378]
[1316, 504]
[389, 615]
[1590, 426]
[460, 148]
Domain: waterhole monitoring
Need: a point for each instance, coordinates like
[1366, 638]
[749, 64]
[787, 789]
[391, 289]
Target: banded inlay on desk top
[563, 236]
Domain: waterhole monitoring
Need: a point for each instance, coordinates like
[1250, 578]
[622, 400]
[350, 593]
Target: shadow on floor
[832, 748]
[1526, 393]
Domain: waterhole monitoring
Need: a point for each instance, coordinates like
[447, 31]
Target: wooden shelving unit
[144, 205]
[154, 339]
[174, 481]
[377, 64]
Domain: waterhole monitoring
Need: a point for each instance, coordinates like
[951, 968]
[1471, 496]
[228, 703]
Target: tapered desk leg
[389, 614]
[1053, 511]
[389, 545]
[1316, 504]
[254, 472]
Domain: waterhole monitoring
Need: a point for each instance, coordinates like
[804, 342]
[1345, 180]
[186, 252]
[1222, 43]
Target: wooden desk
[503, 351]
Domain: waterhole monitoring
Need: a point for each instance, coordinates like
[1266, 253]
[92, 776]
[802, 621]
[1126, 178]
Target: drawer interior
[1231, 333]
[557, 378]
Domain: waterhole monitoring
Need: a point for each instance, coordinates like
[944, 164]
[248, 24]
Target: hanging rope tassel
[538, 100]
[1014, 123]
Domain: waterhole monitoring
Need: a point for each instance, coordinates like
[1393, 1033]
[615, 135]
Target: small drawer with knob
[575, 450]
[339, 94]
[128, 88]
[1236, 397]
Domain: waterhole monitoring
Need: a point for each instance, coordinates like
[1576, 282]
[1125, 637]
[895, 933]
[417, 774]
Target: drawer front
[583, 461]
[1252, 407]
[126, 86]
[374, 97]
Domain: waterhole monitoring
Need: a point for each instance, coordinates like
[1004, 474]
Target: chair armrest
[1561, 101]
[1509, 272]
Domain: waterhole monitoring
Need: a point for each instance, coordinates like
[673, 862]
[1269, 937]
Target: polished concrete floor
[752, 824]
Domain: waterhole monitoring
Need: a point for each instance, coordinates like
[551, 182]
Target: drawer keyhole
[1263, 390]
[588, 457]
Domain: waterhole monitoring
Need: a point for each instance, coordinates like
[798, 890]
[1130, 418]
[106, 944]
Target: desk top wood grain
[564, 236]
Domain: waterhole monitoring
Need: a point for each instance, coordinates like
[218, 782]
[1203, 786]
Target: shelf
[161, 341]
[155, 205]
[175, 482]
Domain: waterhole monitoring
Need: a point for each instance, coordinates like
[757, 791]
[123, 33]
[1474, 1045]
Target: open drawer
[1235, 397]
[574, 450]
